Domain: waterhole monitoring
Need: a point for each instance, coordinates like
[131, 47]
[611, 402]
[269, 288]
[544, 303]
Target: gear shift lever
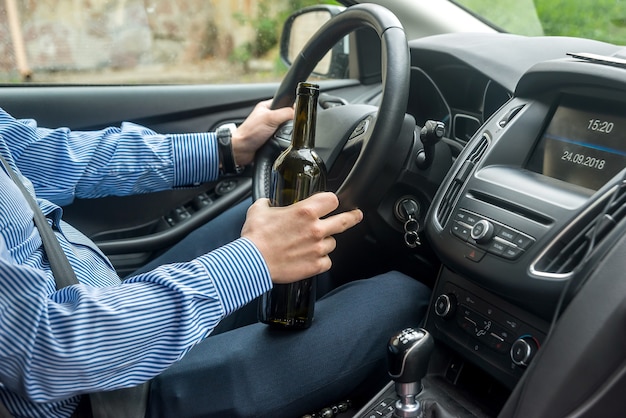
[408, 353]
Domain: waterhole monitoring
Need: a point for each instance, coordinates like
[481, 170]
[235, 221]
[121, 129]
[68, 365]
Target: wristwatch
[225, 147]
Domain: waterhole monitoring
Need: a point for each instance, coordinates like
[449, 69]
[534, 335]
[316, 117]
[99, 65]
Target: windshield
[220, 42]
[602, 20]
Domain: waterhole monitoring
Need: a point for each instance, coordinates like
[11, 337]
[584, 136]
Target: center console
[517, 215]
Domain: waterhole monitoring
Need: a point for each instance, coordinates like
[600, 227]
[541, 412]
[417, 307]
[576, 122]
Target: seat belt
[61, 269]
[121, 403]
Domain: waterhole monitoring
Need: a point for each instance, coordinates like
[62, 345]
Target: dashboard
[456, 95]
[538, 140]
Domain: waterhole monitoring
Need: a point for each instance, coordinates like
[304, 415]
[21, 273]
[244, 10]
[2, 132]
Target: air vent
[452, 193]
[569, 250]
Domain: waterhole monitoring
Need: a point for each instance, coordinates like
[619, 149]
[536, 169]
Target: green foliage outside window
[267, 25]
[603, 20]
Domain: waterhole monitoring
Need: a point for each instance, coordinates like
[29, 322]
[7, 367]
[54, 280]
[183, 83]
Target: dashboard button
[466, 217]
[460, 230]
[461, 215]
[506, 234]
[523, 350]
[445, 305]
[502, 333]
[497, 248]
[512, 253]
[471, 219]
[474, 254]
[511, 323]
[496, 342]
[523, 241]
[482, 231]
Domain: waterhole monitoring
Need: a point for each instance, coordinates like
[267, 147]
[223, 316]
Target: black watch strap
[225, 146]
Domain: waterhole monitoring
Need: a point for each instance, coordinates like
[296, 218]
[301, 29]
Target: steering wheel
[335, 126]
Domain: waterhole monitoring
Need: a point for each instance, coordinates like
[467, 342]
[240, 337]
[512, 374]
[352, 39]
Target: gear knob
[408, 353]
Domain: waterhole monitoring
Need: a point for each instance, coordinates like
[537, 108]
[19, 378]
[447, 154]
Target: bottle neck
[305, 120]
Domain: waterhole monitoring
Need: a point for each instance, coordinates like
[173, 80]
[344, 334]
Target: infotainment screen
[584, 142]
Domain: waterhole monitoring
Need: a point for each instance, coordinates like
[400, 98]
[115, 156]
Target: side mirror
[300, 27]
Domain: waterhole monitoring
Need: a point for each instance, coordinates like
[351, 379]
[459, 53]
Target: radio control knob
[445, 305]
[523, 350]
[482, 231]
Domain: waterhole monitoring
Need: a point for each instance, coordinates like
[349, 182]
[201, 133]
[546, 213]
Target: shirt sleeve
[64, 164]
[103, 338]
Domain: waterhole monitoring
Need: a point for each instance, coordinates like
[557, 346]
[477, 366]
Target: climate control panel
[486, 330]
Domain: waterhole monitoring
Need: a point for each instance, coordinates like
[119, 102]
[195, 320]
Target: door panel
[167, 109]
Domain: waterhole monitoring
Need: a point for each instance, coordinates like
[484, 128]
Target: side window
[142, 41]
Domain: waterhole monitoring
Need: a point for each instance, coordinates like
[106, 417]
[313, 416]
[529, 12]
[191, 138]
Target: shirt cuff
[239, 272]
[196, 158]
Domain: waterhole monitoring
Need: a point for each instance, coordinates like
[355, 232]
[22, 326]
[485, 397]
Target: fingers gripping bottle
[297, 173]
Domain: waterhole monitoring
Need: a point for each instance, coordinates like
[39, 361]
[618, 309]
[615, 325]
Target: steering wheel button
[286, 130]
[360, 129]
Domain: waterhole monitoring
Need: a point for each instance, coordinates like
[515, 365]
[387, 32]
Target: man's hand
[293, 240]
[256, 129]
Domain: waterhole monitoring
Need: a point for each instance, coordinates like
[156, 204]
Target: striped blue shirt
[102, 334]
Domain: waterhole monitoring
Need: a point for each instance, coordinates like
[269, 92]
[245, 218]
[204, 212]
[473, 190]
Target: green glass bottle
[297, 173]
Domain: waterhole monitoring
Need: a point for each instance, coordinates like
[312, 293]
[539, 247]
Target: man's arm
[64, 164]
[55, 344]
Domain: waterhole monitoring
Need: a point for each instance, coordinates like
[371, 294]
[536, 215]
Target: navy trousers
[246, 369]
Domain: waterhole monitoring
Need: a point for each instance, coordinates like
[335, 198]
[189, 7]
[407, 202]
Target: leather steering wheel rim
[388, 121]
